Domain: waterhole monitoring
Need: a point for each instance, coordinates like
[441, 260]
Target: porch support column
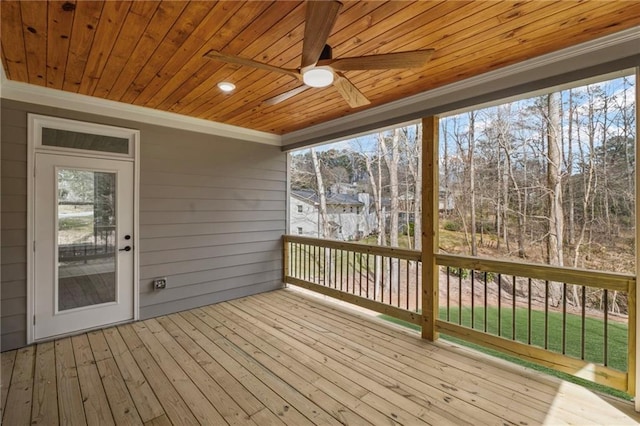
[430, 195]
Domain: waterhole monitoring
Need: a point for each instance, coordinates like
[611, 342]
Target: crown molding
[39, 95]
[611, 48]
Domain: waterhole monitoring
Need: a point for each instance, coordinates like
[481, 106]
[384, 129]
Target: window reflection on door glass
[86, 238]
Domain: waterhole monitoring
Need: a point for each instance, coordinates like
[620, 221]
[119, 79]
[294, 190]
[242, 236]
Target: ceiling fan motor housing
[327, 53]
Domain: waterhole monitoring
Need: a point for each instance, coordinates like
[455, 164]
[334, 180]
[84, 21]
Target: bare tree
[554, 182]
[324, 225]
[472, 181]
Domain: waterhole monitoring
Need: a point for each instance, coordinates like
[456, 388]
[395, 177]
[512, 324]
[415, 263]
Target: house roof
[332, 198]
[151, 53]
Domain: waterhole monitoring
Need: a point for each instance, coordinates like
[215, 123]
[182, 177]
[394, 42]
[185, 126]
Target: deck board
[277, 358]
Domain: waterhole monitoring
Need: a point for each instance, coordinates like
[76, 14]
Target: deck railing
[576, 321]
[383, 279]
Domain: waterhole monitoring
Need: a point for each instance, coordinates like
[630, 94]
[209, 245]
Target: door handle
[127, 248]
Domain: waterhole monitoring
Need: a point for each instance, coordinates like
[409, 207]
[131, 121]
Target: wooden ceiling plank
[193, 16]
[206, 95]
[82, 35]
[270, 18]
[134, 27]
[12, 39]
[34, 25]
[159, 43]
[107, 32]
[187, 60]
[287, 50]
[355, 41]
[465, 60]
[60, 23]
[150, 75]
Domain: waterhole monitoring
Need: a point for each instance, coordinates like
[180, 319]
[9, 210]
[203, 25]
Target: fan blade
[321, 16]
[385, 61]
[238, 60]
[284, 96]
[349, 92]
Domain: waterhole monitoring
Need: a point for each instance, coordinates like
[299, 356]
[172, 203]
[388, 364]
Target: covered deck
[282, 357]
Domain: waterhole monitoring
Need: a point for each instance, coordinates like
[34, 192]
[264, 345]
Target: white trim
[35, 122]
[606, 49]
[39, 95]
[136, 226]
[31, 152]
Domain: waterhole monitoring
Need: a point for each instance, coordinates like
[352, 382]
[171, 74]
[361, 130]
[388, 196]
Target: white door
[83, 212]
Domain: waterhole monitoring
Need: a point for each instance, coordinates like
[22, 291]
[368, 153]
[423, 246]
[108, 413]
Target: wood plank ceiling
[150, 53]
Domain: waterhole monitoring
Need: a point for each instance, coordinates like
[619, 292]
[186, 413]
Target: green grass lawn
[594, 332]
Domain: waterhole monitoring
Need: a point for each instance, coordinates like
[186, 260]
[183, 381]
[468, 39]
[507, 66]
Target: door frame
[35, 124]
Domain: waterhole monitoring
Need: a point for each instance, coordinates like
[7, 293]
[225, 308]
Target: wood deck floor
[281, 358]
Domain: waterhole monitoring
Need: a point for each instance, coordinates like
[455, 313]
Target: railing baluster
[367, 275]
[390, 283]
[417, 282]
[546, 314]
[309, 263]
[485, 302]
[334, 263]
[353, 281]
[583, 323]
[360, 269]
[473, 298]
[406, 261]
[564, 318]
[300, 261]
[398, 282]
[459, 296]
[606, 328]
[375, 277]
[499, 304]
[448, 295]
[529, 312]
[513, 308]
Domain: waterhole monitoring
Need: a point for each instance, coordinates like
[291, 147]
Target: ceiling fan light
[225, 86]
[318, 77]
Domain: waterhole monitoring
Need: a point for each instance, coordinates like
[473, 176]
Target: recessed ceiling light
[225, 86]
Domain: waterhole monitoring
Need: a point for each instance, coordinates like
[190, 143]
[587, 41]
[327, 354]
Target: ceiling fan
[319, 68]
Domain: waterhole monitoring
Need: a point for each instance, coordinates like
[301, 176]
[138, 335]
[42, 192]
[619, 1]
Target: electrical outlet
[159, 283]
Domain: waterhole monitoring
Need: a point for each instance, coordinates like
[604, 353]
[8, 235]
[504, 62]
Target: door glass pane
[86, 238]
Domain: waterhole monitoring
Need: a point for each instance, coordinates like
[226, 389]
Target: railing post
[430, 204]
[285, 260]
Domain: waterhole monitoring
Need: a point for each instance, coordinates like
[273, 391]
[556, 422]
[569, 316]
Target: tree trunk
[416, 172]
[554, 188]
[324, 226]
[392, 158]
[472, 184]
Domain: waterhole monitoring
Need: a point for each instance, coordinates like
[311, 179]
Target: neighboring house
[349, 215]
